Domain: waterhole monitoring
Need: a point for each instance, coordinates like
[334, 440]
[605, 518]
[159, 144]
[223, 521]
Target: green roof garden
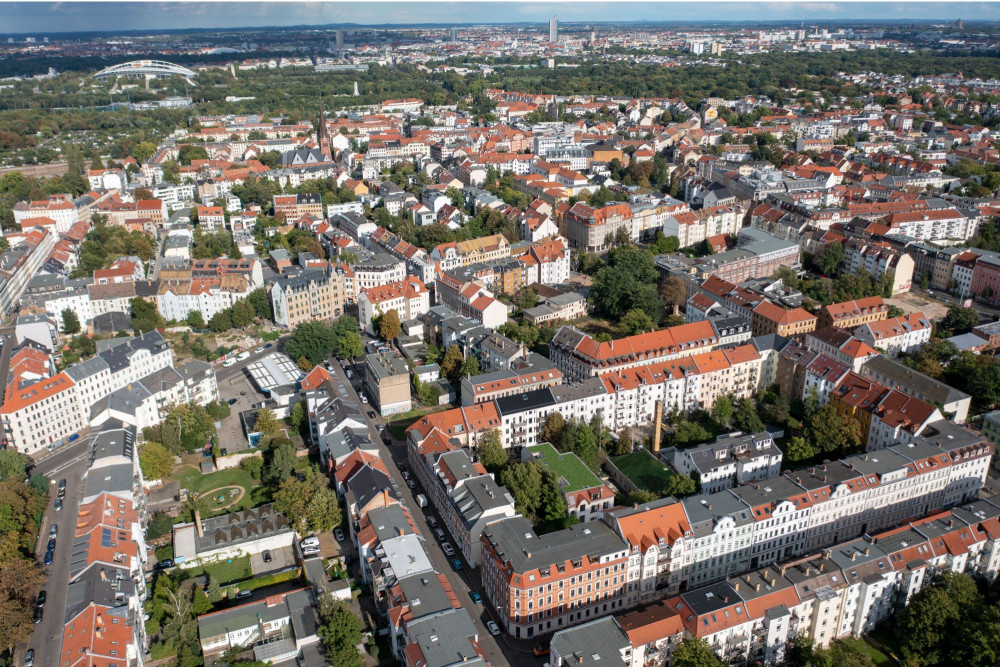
[575, 473]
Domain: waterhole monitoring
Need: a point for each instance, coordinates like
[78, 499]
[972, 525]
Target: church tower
[322, 135]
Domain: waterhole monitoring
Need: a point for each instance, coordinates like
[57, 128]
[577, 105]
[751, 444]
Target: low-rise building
[388, 381]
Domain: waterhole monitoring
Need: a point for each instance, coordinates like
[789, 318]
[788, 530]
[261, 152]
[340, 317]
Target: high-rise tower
[554, 29]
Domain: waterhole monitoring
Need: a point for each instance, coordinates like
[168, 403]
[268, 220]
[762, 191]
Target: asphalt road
[69, 462]
[502, 650]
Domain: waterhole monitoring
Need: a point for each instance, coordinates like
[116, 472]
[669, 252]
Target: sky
[48, 17]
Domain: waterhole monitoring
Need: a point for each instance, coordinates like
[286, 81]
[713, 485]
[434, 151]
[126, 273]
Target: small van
[243, 355]
[229, 362]
[422, 500]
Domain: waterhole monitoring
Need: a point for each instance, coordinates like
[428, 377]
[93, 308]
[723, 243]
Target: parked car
[75, 436]
[165, 563]
[232, 401]
[310, 551]
[405, 473]
[456, 564]
[225, 451]
[29, 658]
[258, 350]
[431, 521]
[311, 541]
[476, 597]
[52, 544]
[410, 483]
[38, 614]
[229, 362]
[541, 649]
[245, 354]
[58, 504]
[42, 597]
[493, 628]
[48, 558]
[243, 595]
[364, 399]
[266, 555]
[62, 484]
[54, 531]
[339, 534]
[448, 549]
[440, 535]
[267, 347]
[371, 414]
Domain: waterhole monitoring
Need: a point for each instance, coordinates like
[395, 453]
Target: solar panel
[106, 537]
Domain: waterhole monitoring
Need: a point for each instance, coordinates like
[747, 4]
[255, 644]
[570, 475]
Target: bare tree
[673, 292]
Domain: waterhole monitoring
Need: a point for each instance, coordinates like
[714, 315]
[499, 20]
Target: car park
[476, 597]
[448, 549]
[493, 628]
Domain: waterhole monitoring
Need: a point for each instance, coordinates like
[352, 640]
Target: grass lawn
[225, 572]
[878, 657]
[646, 472]
[195, 482]
[594, 326]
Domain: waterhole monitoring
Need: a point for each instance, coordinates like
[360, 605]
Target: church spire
[324, 138]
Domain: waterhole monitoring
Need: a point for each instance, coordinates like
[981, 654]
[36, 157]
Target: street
[462, 582]
[69, 462]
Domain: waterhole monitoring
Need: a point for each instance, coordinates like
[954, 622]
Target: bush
[160, 525]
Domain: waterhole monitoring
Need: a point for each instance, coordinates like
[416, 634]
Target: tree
[267, 423]
[451, 365]
[830, 259]
[142, 151]
[261, 303]
[746, 418]
[673, 292]
[159, 525]
[212, 590]
[798, 449]
[469, 367]
[71, 323]
[340, 631]
[20, 580]
[144, 316]
[282, 462]
[324, 508]
[624, 443]
[389, 326]
[552, 428]
[960, 320]
[491, 452]
[155, 460]
[636, 321]
[694, 652]
[12, 465]
[221, 321]
[524, 481]
[313, 340]
[935, 615]
[628, 282]
[243, 313]
[680, 485]
[298, 418]
[195, 320]
[722, 411]
[253, 465]
[690, 433]
[831, 433]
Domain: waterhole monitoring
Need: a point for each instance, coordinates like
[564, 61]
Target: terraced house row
[842, 591]
[544, 583]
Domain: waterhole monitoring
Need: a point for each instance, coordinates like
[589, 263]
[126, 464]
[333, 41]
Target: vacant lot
[911, 302]
[644, 470]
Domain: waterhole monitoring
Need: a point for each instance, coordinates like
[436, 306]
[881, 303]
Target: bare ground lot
[911, 302]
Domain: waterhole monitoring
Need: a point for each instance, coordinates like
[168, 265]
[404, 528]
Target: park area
[644, 470]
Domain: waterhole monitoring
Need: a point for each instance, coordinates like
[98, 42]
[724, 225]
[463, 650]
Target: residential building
[309, 295]
[768, 318]
[388, 381]
[409, 298]
[953, 403]
[898, 334]
[587, 497]
[852, 314]
[733, 459]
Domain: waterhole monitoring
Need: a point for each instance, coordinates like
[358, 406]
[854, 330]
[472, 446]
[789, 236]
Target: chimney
[821, 566]
[385, 496]
[757, 587]
[657, 426]
[867, 550]
[854, 555]
[808, 570]
[736, 586]
[197, 523]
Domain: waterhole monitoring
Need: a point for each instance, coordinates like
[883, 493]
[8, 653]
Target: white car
[493, 628]
[229, 362]
[258, 350]
[448, 549]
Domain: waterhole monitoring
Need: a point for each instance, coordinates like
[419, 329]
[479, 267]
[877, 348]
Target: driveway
[281, 559]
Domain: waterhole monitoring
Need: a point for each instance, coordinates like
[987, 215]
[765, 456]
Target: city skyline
[50, 18]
